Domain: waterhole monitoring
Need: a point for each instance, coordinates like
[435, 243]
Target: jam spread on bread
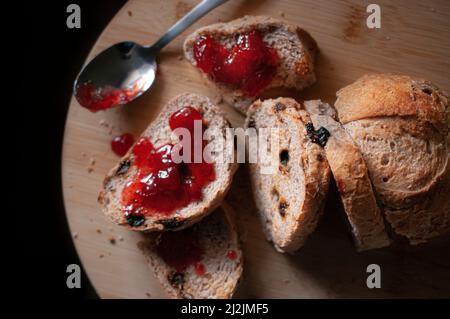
[181, 249]
[122, 143]
[96, 99]
[248, 65]
[232, 255]
[161, 186]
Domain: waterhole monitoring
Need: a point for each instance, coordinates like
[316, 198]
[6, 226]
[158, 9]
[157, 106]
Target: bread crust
[159, 132]
[378, 95]
[297, 54]
[352, 179]
[402, 128]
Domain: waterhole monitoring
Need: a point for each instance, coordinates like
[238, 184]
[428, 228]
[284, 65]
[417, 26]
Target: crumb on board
[120, 238]
[112, 240]
[98, 230]
[180, 58]
[149, 295]
[286, 281]
[90, 169]
[101, 256]
[130, 14]
[75, 235]
[103, 122]
[92, 161]
[281, 14]
[217, 99]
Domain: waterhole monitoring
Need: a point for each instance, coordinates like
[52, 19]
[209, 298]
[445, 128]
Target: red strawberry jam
[249, 65]
[232, 255]
[161, 186]
[96, 99]
[122, 143]
[200, 269]
[181, 249]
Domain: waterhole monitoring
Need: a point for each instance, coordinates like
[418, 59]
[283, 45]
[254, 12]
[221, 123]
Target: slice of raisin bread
[290, 200]
[203, 261]
[159, 134]
[295, 48]
[352, 179]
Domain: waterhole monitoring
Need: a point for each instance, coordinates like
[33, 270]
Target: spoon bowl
[126, 70]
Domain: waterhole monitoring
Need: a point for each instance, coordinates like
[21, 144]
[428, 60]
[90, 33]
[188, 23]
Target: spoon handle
[199, 11]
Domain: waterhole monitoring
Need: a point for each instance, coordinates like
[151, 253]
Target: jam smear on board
[121, 144]
[248, 65]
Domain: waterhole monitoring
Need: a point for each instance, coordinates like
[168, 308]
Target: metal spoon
[124, 71]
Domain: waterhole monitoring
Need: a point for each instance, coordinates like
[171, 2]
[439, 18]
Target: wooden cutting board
[414, 39]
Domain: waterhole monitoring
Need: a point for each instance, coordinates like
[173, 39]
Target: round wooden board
[414, 39]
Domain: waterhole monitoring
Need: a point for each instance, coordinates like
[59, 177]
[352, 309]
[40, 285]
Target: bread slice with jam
[244, 57]
[203, 261]
[148, 191]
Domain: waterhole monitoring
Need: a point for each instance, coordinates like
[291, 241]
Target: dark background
[53, 57]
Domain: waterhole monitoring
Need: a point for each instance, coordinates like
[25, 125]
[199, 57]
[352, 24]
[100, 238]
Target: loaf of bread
[290, 200]
[203, 261]
[159, 134]
[401, 126]
[295, 48]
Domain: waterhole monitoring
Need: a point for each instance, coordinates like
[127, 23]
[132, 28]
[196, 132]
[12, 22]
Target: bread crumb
[112, 240]
[130, 14]
[286, 281]
[101, 256]
[217, 99]
[180, 58]
[388, 38]
[92, 161]
[281, 14]
[120, 238]
[83, 154]
[99, 231]
[90, 169]
[75, 235]
[432, 9]
[148, 294]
